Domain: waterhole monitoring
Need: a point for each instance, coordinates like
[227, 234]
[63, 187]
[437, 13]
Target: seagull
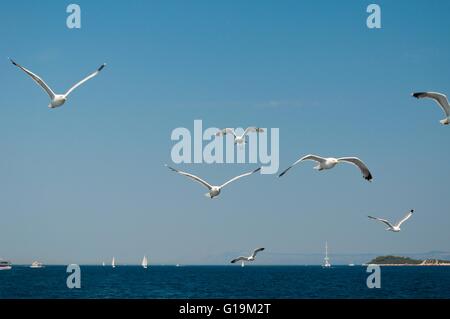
[243, 259]
[394, 228]
[328, 163]
[213, 190]
[239, 139]
[56, 99]
[440, 99]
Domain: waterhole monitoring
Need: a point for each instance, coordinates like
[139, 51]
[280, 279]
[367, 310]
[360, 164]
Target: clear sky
[87, 181]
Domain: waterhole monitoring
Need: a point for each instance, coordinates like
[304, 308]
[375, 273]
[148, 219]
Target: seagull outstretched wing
[439, 98]
[85, 79]
[36, 79]
[240, 258]
[360, 164]
[257, 251]
[191, 176]
[383, 221]
[252, 129]
[304, 158]
[408, 216]
[240, 176]
[226, 131]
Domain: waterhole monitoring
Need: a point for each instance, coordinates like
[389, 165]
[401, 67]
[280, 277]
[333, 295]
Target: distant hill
[394, 260]
[398, 261]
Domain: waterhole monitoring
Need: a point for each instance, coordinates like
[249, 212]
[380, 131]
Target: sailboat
[144, 262]
[5, 265]
[103, 264]
[113, 263]
[326, 260]
[36, 264]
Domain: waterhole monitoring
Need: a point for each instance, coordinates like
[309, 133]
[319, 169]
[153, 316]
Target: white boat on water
[5, 265]
[326, 260]
[113, 263]
[36, 264]
[351, 265]
[144, 263]
[103, 264]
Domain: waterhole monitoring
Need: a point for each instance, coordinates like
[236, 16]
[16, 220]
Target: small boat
[103, 264]
[351, 265]
[326, 259]
[144, 263]
[113, 263]
[36, 264]
[177, 265]
[5, 265]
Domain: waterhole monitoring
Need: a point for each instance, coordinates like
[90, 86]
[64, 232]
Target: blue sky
[86, 181]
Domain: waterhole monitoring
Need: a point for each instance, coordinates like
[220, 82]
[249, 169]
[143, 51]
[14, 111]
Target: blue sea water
[225, 282]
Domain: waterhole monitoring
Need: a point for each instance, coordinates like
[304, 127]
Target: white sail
[144, 262]
[113, 263]
[326, 259]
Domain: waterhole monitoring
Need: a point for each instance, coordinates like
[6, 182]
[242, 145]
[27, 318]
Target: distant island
[406, 261]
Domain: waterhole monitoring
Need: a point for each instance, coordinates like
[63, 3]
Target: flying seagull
[239, 139]
[243, 259]
[213, 190]
[394, 227]
[56, 99]
[328, 163]
[440, 99]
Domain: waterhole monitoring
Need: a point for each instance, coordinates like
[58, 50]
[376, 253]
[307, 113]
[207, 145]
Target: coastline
[410, 265]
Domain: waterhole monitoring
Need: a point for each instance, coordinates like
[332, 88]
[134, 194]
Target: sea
[250, 282]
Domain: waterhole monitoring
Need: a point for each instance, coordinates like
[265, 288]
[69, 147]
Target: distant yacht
[144, 262]
[177, 265]
[351, 265]
[36, 264]
[103, 264]
[326, 260]
[113, 263]
[5, 265]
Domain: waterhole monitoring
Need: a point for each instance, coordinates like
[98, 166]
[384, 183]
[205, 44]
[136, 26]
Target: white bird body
[56, 100]
[330, 162]
[244, 259]
[394, 227]
[239, 139]
[440, 99]
[213, 190]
